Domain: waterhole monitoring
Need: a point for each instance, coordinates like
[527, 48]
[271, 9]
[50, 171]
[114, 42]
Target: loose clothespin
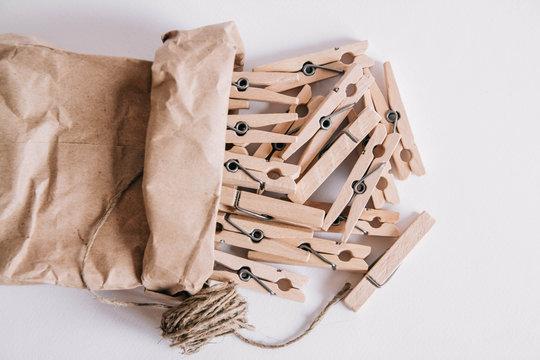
[336, 153]
[248, 235]
[267, 208]
[321, 118]
[329, 127]
[259, 174]
[315, 68]
[260, 277]
[241, 128]
[323, 253]
[243, 87]
[383, 269]
[361, 181]
[406, 157]
[318, 66]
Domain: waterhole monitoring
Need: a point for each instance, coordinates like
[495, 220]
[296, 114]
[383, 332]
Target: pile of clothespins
[266, 204]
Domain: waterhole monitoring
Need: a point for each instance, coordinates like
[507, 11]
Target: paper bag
[191, 80]
[73, 132]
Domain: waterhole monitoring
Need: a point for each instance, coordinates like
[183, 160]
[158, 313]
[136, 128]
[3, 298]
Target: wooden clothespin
[256, 173]
[268, 229]
[406, 157]
[309, 75]
[386, 189]
[249, 236]
[323, 253]
[243, 87]
[267, 208]
[361, 181]
[335, 155]
[241, 128]
[385, 267]
[310, 62]
[322, 137]
[321, 118]
[373, 222]
[358, 171]
[260, 277]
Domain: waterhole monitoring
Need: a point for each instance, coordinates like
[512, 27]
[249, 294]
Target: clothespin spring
[249, 212]
[331, 142]
[240, 128]
[359, 186]
[241, 84]
[343, 218]
[245, 274]
[256, 235]
[234, 165]
[308, 248]
[309, 69]
[392, 116]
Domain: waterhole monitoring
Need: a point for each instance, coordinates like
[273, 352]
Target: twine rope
[214, 311]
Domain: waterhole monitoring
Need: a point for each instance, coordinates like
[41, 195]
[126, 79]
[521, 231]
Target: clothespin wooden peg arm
[384, 268]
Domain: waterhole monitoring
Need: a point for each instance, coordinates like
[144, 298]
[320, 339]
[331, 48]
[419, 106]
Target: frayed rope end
[214, 311]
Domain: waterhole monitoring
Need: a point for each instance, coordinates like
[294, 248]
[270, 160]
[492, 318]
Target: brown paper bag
[191, 80]
[73, 134]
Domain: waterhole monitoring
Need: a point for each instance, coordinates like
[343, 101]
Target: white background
[469, 75]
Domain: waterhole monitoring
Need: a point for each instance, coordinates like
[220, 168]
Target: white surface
[468, 73]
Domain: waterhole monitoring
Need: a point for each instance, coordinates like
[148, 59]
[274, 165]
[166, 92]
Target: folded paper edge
[191, 78]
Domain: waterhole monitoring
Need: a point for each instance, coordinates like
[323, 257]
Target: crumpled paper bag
[73, 132]
[185, 146]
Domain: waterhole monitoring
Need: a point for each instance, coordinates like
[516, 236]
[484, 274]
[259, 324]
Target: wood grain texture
[235, 104]
[266, 78]
[280, 210]
[358, 170]
[329, 104]
[254, 136]
[321, 74]
[304, 98]
[269, 246]
[260, 120]
[319, 58]
[263, 271]
[258, 94]
[403, 125]
[270, 229]
[389, 262]
[359, 201]
[353, 265]
[318, 141]
[334, 156]
[227, 276]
